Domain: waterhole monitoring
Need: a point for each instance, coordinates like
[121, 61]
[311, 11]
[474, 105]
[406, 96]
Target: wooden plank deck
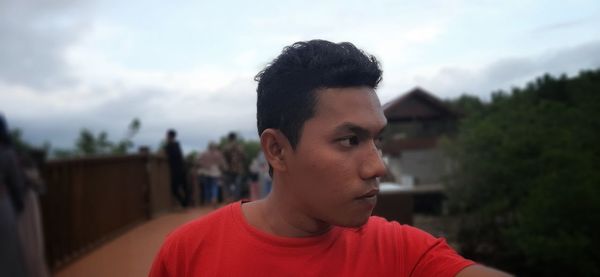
[132, 253]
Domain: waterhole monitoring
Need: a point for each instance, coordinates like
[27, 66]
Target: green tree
[526, 187]
[251, 148]
[190, 158]
[126, 143]
[467, 104]
[16, 136]
[88, 143]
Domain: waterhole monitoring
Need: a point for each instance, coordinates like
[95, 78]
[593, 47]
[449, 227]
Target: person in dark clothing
[12, 262]
[179, 186]
[235, 157]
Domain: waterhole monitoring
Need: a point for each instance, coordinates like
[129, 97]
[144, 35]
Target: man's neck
[278, 216]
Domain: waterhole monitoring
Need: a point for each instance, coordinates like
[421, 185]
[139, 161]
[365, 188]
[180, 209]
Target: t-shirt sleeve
[426, 255]
[169, 261]
[159, 268]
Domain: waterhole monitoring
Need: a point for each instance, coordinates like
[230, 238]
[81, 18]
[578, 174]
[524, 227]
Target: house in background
[417, 120]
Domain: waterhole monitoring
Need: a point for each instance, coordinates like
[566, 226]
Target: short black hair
[287, 87]
[171, 133]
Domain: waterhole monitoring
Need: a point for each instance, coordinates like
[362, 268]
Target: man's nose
[373, 165]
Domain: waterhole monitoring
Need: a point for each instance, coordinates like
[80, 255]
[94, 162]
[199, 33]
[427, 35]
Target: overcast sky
[189, 65]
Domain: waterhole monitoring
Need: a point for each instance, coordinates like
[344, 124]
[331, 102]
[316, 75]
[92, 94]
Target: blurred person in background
[179, 186]
[234, 175]
[253, 172]
[29, 223]
[210, 165]
[12, 187]
[264, 179]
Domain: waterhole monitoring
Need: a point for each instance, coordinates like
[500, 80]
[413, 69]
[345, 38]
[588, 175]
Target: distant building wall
[426, 166]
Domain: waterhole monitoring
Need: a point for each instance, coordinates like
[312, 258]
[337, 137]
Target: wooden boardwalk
[130, 254]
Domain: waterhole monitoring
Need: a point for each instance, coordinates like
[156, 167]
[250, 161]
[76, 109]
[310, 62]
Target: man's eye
[349, 141]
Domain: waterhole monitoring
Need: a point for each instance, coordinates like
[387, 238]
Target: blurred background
[494, 111]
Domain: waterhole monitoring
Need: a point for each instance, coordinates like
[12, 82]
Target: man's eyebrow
[358, 130]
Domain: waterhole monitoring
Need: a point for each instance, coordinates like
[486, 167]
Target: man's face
[335, 167]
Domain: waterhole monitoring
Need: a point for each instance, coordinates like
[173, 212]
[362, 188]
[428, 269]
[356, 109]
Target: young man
[319, 121]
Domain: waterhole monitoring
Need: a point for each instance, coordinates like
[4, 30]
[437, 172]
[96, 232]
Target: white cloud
[33, 39]
[71, 64]
[502, 74]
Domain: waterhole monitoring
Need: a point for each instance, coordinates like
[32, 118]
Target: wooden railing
[90, 200]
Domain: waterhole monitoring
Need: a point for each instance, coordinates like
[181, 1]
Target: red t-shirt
[224, 244]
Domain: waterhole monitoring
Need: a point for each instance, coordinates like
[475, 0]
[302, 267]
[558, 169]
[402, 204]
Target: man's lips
[370, 193]
[369, 198]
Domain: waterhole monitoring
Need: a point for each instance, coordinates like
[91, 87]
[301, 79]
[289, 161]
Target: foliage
[251, 148]
[89, 143]
[126, 143]
[28, 153]
[22, 146]
[190, 159]
[527, 185]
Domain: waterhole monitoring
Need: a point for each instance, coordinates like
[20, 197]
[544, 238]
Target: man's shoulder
[381, 224]
[418, 250]
[181, 247]
[196, 230]
[384, 228]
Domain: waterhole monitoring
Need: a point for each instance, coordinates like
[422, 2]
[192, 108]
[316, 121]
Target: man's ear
[275, 145]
